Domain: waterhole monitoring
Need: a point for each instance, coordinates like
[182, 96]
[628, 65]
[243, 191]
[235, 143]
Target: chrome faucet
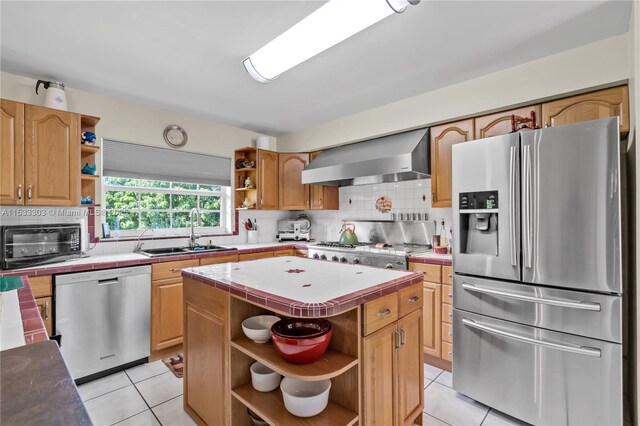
[138, 246]
[193, 236]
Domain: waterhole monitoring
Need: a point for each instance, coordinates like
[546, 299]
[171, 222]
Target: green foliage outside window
[141, 203]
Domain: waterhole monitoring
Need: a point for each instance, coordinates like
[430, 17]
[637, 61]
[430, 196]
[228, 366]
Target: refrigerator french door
[538, 273]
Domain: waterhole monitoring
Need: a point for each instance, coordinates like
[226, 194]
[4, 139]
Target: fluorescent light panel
[332, 23]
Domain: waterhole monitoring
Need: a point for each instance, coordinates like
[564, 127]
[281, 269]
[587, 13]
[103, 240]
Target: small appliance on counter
[28, 245]
[298, 229]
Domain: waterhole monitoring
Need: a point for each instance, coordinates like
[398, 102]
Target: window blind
[123, 159]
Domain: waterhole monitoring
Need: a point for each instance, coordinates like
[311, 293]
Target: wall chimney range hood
[400, 157]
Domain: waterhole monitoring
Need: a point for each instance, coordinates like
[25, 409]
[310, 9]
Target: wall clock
[175, 136]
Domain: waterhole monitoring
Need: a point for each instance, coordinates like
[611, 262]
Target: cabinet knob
[29, 190]
[20, 192]
[46, 311]
[413, 299]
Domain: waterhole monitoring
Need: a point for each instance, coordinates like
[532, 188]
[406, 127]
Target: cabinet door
[410, 368]
[267, 180]
[442, 139]
[293, 194]
[207, 343]
[432, 318]
[379, 377]
[11, 153]
[500, 122]
[52, 157]
[166, 313]
[323, 197]
[590, 106]
[44, 305]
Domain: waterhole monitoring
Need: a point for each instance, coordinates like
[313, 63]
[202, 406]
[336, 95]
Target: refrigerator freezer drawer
[597, 316]
[538, 376]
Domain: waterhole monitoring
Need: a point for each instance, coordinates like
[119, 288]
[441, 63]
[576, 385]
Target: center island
[374, 360]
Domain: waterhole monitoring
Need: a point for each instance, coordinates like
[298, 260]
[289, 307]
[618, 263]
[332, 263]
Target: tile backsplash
[359, 203]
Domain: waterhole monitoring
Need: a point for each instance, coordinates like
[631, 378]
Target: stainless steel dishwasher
[103, 318]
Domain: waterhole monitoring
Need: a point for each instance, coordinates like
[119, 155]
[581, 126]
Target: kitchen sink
[169, 251]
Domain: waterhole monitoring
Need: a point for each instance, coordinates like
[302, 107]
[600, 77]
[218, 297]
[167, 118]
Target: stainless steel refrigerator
[537, 321]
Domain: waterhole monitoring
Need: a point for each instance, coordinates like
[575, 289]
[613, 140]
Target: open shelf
[89, 149]
[331, 364]
[270, 406]
[246, 189]
[246, 169]
[89, 177]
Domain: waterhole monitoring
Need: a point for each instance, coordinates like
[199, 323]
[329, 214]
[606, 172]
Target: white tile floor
[444, 406]
[150, 394]
[146, 395]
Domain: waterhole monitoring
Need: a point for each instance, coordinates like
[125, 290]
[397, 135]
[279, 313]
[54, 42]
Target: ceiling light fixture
[332, 23]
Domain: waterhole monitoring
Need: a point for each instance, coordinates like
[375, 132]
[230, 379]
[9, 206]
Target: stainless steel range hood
[404, 156]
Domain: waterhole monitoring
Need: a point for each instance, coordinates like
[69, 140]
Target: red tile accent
[34, 329]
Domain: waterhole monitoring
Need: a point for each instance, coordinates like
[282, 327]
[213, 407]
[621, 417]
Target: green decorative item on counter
[10, 283]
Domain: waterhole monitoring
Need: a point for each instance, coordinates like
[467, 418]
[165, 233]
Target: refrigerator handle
[512, 206]
[526, 201]
[582, 350]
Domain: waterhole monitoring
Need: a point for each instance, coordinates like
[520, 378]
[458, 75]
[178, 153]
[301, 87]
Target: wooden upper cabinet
[323, 197]
[443, 137]
[293, 194]
[11, 153]
[590, 106]
[500, 122]
[52, 157]
[267, 165]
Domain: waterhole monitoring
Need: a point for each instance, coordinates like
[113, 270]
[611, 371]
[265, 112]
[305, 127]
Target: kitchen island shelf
[331, 364]
[270, 406]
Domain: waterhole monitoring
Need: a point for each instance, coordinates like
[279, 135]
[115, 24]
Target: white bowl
[263, 378]
[303, 398]
[258, 328]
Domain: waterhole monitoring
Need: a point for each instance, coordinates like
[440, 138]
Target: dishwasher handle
[108, 282]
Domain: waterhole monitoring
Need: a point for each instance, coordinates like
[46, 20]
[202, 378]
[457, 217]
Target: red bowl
[298, 328]
[301, 350]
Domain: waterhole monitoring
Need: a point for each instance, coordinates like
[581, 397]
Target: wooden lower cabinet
[254, 256]
[206, 353]
[379, 376]
[432, 318]
[166, 313]
[45, 307]
[410, 368]
[393, 370]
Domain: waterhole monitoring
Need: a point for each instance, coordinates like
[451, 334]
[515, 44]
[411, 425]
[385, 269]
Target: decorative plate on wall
[175, 136]
[383, 204]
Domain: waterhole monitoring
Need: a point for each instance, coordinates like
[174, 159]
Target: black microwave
[28, 245]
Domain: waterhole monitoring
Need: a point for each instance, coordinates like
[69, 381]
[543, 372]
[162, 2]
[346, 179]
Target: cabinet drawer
[219, 259]
[447, 332]
[254, 256]
[447, 275]
[432, 273]
[447, 351]
[301, 252]
[410, 299]
[164, 270]
[447, 294]
[447, 313]
[41, 286]
[285, 252]
[380, 312]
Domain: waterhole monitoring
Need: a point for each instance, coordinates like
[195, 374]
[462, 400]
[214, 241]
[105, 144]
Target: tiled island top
[303, 287]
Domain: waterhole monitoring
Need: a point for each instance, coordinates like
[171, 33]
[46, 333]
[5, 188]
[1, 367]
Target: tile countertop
[130, 259]
[433, 258]
[303, 287]
[22, 324]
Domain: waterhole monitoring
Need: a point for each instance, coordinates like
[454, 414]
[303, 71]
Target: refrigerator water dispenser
[479, 222]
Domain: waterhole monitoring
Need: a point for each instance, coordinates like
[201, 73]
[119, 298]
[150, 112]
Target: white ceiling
[186, 56]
